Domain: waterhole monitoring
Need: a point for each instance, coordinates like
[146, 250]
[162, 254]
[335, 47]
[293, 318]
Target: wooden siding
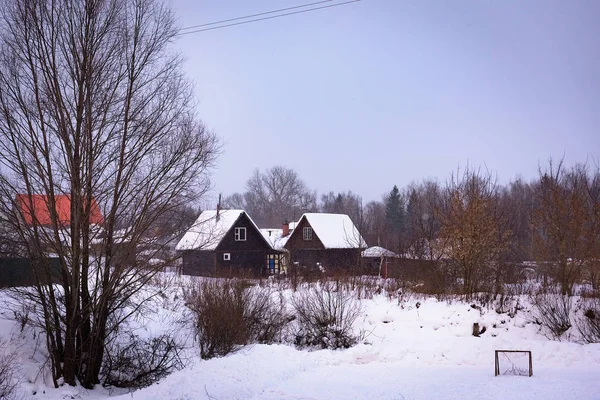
[254, 239]
[246, 262]
[296, 240]
[330, 259]
[307, 253]
[198, 263]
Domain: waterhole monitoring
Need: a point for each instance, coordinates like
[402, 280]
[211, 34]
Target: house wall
[247, 257]
[242, 263]
[296, 240]
[254, 239]
[307, 253]
[198, 263]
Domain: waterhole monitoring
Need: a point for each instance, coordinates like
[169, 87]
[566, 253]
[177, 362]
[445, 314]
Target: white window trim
[226, 256]
[307, 233]
[238, 236]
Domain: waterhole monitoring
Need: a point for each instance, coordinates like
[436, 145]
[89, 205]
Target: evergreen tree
[394, 211]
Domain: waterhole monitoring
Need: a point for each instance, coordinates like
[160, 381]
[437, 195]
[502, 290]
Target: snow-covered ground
[419, 348]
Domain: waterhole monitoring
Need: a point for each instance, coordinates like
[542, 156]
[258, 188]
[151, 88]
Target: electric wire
[256, 15]
[261, 19]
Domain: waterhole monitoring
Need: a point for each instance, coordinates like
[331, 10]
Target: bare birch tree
[94, 106]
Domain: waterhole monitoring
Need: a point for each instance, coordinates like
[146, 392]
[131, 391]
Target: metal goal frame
[497, 361]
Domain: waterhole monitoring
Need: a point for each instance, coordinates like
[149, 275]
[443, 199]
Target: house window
[240, 234]
[226, 256]
[307, 233]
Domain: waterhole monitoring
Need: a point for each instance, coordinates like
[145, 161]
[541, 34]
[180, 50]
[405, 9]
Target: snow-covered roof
[336, 231]
[377, 251]
[275, 237]
[208, 230]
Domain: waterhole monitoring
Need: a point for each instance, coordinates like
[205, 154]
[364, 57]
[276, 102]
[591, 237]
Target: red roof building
[41, 213]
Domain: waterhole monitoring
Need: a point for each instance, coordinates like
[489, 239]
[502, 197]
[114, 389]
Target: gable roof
[336, 231]
[208, 230]
[41, 213]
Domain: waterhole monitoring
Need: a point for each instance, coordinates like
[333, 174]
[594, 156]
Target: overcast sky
[383, 92]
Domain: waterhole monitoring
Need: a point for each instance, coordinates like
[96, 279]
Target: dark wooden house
[329, 242]
[227, 243]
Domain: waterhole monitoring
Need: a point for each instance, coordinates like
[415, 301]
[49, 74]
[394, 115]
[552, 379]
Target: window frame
[226, 256]
[238, 233]
[307, 233]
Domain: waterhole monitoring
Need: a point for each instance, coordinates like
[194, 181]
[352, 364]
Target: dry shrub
[266, 316]
[587, 291]
[439, 281]
[367, 287]
[229, 315]
[8, 372]
[588, 323]
[505, 304]
[140, 362]
[525, 287]
[325, 316]
[552, 310]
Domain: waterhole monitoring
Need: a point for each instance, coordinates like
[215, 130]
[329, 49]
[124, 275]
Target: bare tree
[474, 226]
[342, 203]
[423, 221]
[273, 196]
[94, 106]
[517, 201]
[565, 222]
[374, 223]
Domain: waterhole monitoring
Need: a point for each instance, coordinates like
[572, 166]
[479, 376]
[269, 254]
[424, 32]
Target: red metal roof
[63, 208]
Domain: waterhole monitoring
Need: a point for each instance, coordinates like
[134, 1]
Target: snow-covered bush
[8, 376]
[139, 363]
[325, 316]
[229, 314]
[588, 323]
[552, 310]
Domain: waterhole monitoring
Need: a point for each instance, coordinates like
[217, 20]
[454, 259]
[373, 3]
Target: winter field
[412, 347]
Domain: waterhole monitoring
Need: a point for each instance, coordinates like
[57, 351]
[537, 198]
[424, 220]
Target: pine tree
[394, 211]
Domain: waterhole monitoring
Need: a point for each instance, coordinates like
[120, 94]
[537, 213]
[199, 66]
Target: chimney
[218, 208]
[286, 228]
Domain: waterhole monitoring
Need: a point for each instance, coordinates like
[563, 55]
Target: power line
[264, 18]
[256, 15]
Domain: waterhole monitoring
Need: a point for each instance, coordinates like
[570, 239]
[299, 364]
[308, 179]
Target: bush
[228, 315]
[589, 323]
[325, 316]
[8, 376]
[140, 362]
[552, 310]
